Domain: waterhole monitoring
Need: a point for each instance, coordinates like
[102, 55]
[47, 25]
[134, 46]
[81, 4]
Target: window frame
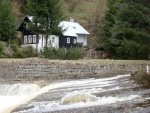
[34, 39]
[25, 40]
[68, 40]
[30, 39]
[53, 39]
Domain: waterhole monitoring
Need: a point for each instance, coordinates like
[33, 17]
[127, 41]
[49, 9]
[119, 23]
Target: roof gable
[72, 29]
[68, 28]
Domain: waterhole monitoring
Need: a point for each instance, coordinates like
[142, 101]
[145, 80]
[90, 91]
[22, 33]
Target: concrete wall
[42, 69]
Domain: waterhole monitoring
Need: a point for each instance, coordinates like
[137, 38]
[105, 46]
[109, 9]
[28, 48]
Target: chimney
[71, 19]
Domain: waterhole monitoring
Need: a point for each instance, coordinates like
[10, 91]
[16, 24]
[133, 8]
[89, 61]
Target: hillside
[85, 12]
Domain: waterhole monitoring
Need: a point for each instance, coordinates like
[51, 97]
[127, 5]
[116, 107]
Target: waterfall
[18, 89]
[103, 94]
[11, 95]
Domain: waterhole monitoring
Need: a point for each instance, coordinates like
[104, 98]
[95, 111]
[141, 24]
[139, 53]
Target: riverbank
[35, 69]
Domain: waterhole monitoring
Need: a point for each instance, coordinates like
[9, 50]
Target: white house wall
[82, 39]
[52, 38]
[25, 45]
[41, 43]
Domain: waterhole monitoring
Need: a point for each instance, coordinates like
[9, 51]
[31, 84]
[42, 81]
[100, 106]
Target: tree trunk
[37, 41]
[46, 39]
[47, 30]
[42, 41]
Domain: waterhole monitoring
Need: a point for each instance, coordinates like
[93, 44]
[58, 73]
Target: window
[34, 38]
[53, 39]
[25, 39]
[68, 40]
[74, 41]
[30, 39]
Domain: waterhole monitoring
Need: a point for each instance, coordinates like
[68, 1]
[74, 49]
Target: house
[72, 33]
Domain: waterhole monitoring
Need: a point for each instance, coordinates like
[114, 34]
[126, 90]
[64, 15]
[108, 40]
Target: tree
[108, 21]
[46, 14]
[130, 30]
[7, 21]
[133, 25]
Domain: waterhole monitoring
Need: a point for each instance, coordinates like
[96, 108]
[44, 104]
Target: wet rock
[141, 77]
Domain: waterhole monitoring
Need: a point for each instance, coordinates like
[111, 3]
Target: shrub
[29, 51]
[74, 54]
[61, 53]
[53, 53]
[23, 52]
[48, 52]
[2, 46]
[17, 52]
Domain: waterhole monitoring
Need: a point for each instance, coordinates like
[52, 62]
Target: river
[117, 94]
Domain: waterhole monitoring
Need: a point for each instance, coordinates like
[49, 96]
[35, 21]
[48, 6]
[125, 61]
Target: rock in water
[141, 77]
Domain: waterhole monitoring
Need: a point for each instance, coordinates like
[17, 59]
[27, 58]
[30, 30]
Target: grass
[101, 61]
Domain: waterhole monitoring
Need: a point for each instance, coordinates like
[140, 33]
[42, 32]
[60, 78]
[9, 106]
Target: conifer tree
[132, 26]
[108, 21]
[7, 21]
[46, 14]
[130, 31]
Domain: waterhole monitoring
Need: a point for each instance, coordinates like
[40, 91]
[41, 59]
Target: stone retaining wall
[42, 69]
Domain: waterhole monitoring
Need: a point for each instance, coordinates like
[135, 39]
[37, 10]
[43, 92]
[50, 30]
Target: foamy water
[73, 94]
[14, 94]
[58, 106]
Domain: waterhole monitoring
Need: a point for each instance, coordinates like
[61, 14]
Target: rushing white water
[58, 106]
[68, 95]
[14, 94]
[18, 89]
[76, 96]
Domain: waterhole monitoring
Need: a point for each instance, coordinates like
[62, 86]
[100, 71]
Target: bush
[61, 53]
[74, 54]
[2, 46]
[48, 52]
[17, 52]
[29, 51]
[23, 52]
[14, 51]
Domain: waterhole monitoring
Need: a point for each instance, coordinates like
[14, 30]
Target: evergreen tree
[132, 25]
[108, 21]
[130, 31]
[46, 14]
[7, 21]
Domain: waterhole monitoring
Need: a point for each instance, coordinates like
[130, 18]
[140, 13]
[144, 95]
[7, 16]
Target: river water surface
[117, 94]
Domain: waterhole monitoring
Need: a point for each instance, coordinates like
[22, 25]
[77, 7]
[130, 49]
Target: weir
[82, 85]
[35, 69]
[81, 96]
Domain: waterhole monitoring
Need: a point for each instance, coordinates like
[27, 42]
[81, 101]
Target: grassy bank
[102, 61]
